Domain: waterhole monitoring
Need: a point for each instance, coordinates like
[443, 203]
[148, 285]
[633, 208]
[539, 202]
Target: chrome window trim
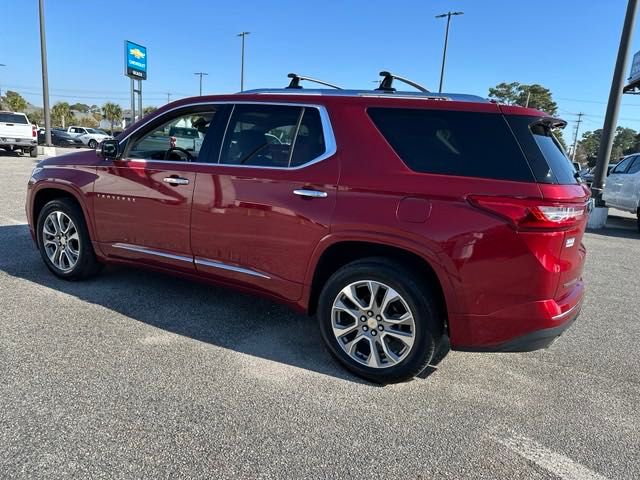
[327, 132]
[150, 251]
[232, 268]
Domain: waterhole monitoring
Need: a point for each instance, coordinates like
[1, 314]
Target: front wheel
[64, 241]
[380, 320]
[93, 144]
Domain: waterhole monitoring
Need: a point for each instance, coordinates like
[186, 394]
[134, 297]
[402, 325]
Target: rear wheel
[379, 320]
[33, 153]
[93, 144]
[64, 241]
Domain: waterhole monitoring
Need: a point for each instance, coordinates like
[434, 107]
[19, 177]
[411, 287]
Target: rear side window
[546, 156]
[13, 118]
[281, 136]
[469, 144]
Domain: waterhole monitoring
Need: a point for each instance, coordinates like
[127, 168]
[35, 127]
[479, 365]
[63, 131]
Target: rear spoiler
[549, 122]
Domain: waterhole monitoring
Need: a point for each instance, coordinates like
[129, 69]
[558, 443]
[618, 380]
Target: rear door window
[470, 144]
[281, 136]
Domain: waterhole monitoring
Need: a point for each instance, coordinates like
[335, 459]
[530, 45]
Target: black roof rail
[296, 79]
[386, 84]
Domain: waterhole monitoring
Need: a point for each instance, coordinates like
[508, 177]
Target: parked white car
[17, 133]
[91, 137]
[622, 189]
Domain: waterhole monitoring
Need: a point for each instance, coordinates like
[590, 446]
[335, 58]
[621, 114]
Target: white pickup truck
[17, 133]
[89, 136]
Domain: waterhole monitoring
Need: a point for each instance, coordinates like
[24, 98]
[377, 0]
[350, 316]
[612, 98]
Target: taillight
[527, 214]
[34, 132]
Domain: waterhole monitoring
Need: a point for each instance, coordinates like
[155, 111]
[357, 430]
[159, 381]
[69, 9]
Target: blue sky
[568, 46]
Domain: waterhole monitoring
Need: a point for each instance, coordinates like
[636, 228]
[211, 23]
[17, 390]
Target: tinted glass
[546, 156]
[453, 143]
[635, 168]
[260, 135]
[13, 118]
[623, 165]
[185, 132]
[310, 141]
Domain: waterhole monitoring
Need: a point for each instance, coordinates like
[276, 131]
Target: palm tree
[112, 112]
[61, 114]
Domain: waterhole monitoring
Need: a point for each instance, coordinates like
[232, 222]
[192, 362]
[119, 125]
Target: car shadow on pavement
[207, 313]
[618, 227]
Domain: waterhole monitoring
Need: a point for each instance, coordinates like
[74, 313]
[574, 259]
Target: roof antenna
[296, 79]
[386, 85]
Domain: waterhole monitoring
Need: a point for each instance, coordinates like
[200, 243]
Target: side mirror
[109, 149]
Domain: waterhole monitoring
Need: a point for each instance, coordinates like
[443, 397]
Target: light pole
[200, 74]
[446, 41]
[1, 65]
[45, 78]
[242, 34]
[613, 106]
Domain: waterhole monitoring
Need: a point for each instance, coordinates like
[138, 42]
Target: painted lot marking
[554, 462]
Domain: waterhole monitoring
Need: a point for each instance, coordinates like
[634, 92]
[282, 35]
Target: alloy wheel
[61, 241]
[373, 324]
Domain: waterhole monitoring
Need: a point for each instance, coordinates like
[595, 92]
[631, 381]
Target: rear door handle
[310, 193]
[176, 180]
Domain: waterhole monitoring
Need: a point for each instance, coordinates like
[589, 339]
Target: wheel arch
[47, 193]
[342, 252]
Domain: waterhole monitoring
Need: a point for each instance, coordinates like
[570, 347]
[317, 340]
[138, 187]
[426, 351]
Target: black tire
[87, 264]
[33, 153]
[638, 218]
[93, 144]
[418, 295]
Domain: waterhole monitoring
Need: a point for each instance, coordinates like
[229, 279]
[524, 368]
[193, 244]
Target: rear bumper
[529, 342]
[19, 142]
[523, 328]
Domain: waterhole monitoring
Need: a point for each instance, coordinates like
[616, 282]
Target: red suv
[397, 218]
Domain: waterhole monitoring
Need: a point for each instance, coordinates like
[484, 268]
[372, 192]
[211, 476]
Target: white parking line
[554, 462]
[11, 221]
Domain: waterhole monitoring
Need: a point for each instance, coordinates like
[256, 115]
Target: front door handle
[176, 180]
[310, 193]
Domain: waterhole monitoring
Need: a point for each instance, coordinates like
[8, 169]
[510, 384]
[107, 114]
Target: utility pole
[168, 97]
[575, 136]
[446, 41]
[201, 75]
[613, 106]
[1, 65]
[528, 97]
[45, 78]
[242, 34]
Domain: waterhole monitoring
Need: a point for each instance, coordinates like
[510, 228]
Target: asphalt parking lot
[138, 375]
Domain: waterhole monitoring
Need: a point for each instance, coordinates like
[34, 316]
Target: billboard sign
[135, 60]
[635, 68]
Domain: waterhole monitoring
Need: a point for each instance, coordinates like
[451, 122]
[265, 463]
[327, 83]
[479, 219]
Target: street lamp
[1, 65]
[45, 78]
[242, 34]
[446, 40]
[201, 74]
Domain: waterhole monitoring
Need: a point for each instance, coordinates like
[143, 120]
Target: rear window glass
[467, 144]
[546, 156]
[13, 118]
